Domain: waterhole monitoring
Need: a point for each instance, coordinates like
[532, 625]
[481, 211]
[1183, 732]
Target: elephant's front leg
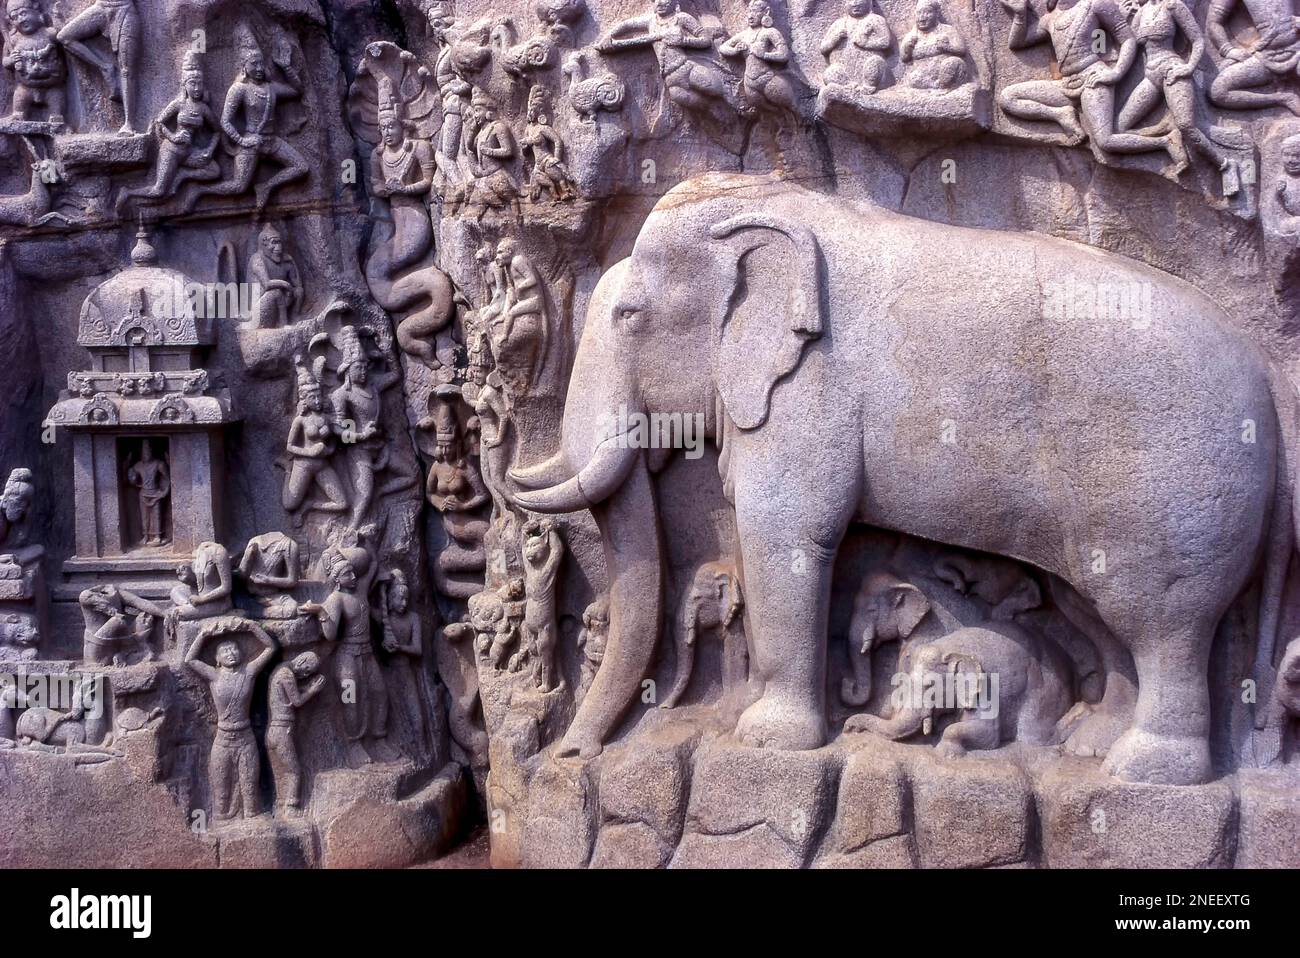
[788, 560]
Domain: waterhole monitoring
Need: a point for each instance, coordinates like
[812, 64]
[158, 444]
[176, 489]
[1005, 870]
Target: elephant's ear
[909, 606]
[774, 309]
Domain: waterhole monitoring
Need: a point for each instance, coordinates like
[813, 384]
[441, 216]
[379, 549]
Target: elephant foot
[1095, 733]
[779, 723]
[1154, 759]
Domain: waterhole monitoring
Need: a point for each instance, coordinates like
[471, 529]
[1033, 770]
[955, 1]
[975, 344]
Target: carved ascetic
[517, 317]
[210, 587]
[345, 617]
[231, 679]
[276, 279]
[16, 523]
[33, 53]
[270, 567]
[543, 551]
[404, 641]
[356, 403]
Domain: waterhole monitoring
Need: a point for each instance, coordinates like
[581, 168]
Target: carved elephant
[711, 605]
[857, 365]
[1002, 686]
[884, 610]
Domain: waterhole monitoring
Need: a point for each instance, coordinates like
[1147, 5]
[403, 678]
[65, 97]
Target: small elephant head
[926, 676]
[887, 610]
[712, 603]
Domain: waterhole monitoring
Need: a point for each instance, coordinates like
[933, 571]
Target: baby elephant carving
[986, 685]
[886, 610]
[712, 604]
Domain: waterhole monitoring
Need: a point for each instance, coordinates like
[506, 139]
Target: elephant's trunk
[630, 532]
[855, 690]
[685, 656]
[904, 724]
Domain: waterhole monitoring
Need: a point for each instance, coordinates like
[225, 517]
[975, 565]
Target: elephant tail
[1283, 521]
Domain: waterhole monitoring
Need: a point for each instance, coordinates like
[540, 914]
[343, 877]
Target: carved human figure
[1288, 187]
[492, 406]
[678, 40]
[1166, 75]
[109, 637]
[257, 97]
[404, 639]
[402, 171]
[540, 141]
[32, 51]
[233, 762]
[152, 477]
[15, 519]
[519, 326]
[269, 566]
[117, 22]
[455, 488]
[357, 405]
[1082, 101]
[275, 276]
[454, 89]
[493, 629]
[212, 586]
[345, 619]
[285, 696]
[712, 604]
[591, 643]
[855, 47]
[935, 50]
[19, 637]
[766, 54]
[187, 134]
[311, 445]
[494, 150]
[1272, 59]
[542, 551]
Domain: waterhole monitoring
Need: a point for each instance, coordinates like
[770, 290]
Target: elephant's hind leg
[1168, 743]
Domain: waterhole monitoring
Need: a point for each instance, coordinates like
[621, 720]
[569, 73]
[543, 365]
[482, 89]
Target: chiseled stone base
[107, 815]
[680, 798]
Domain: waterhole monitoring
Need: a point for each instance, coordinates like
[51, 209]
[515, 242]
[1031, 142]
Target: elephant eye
[629, 315]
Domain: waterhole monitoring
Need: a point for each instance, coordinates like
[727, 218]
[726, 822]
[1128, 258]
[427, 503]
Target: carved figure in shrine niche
[151, 476]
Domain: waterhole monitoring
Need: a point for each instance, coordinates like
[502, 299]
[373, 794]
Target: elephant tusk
[542, 475]
[594, 483]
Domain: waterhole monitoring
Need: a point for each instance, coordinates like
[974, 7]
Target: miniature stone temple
[660, 433]
[147, 422]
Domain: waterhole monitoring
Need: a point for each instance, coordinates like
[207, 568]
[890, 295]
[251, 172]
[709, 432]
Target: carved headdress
[353, 352]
